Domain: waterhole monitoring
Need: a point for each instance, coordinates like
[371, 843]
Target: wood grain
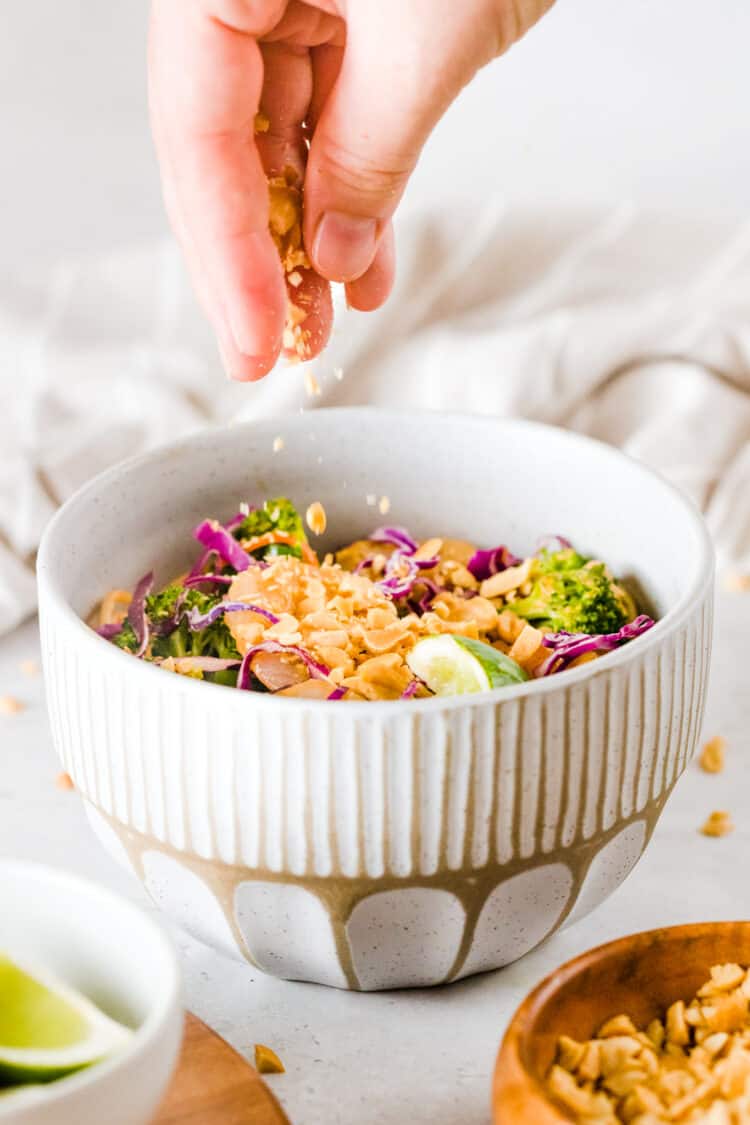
[639, 975]
[214, 1085]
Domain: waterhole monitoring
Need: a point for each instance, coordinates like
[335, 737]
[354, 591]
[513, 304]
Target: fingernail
[240, 368]
[344, 245]
[227, 358]
[253, 327]
[253, 318]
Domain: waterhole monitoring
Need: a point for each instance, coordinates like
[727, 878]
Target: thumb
[404, 63]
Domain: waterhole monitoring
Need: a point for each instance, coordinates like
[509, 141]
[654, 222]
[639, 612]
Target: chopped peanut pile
[9, 705]
[691, 1067]
[712, 755]
[315, 518]
[349, 624]
[719, 823]
[267, 1061]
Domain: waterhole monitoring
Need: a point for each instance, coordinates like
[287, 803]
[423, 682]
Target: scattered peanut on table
[9, 705]
[712, 754]
[719, 823]
[267, 1061]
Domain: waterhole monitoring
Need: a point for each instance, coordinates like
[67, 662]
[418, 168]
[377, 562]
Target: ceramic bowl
[640, 976]
[375, 845]
[117, 956]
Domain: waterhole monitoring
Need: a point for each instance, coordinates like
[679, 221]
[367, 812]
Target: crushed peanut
[278, 444]
[315, 518]
[285, 225]
[384, 505]
[64, 781]
[506, 580]
[9, 705]
[312, 386]
[735, 582]
[692, 1067]
[719, 823]
[712, 754]
[267, 1061]
[262, 124]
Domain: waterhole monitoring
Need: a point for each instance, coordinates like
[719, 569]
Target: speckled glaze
[384, 845]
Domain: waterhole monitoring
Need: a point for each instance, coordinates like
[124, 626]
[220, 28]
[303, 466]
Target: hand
[363, 82]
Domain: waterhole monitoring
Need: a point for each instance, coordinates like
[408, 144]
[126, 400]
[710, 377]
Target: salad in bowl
[384, 617]
[428, 838]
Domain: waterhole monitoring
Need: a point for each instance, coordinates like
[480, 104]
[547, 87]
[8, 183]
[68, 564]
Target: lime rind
[453, 665]
[501, 670]
[48, 1029]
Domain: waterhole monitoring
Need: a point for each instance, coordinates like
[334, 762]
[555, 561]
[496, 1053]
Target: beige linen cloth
[629, 326]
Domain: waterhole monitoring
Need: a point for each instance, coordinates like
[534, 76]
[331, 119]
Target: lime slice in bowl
[48, 1030]
[453, 665]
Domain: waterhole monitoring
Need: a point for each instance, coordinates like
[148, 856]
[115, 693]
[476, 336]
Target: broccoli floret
[162, 606]
[565, 559]
[572, 595]
[275, 515]
[214, 640]
[126, 638]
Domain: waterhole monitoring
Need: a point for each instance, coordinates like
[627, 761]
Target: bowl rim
[166, 1002]
[510, 1056]
[52, 596]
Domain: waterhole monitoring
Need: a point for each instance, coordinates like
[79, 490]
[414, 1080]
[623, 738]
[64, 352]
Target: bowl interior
[639, 975]
[485, 480]
[106, 948]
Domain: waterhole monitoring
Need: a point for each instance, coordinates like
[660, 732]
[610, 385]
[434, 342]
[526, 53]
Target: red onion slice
[137, 612]
[317, 671]
[197, 621]
[216, 538]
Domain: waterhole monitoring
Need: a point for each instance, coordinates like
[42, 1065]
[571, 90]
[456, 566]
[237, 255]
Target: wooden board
[214, 1085]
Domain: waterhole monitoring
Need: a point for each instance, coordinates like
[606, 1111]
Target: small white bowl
[114, 954]
[376, 845]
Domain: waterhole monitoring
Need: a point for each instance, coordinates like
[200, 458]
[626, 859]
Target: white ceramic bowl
[117, 956]
[378, 845]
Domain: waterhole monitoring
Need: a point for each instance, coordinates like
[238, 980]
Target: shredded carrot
[281, 537]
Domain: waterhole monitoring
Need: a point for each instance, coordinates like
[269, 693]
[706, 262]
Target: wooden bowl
[639, 975]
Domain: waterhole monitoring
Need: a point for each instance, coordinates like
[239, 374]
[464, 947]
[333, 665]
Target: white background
[605, 100]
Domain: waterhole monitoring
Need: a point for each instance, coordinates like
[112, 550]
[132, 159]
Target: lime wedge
[48, 1030]
[452, 665]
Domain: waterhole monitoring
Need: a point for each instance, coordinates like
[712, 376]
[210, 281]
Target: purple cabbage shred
[567, 647]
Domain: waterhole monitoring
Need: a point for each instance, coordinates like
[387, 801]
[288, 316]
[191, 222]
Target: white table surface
[412, 1057]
